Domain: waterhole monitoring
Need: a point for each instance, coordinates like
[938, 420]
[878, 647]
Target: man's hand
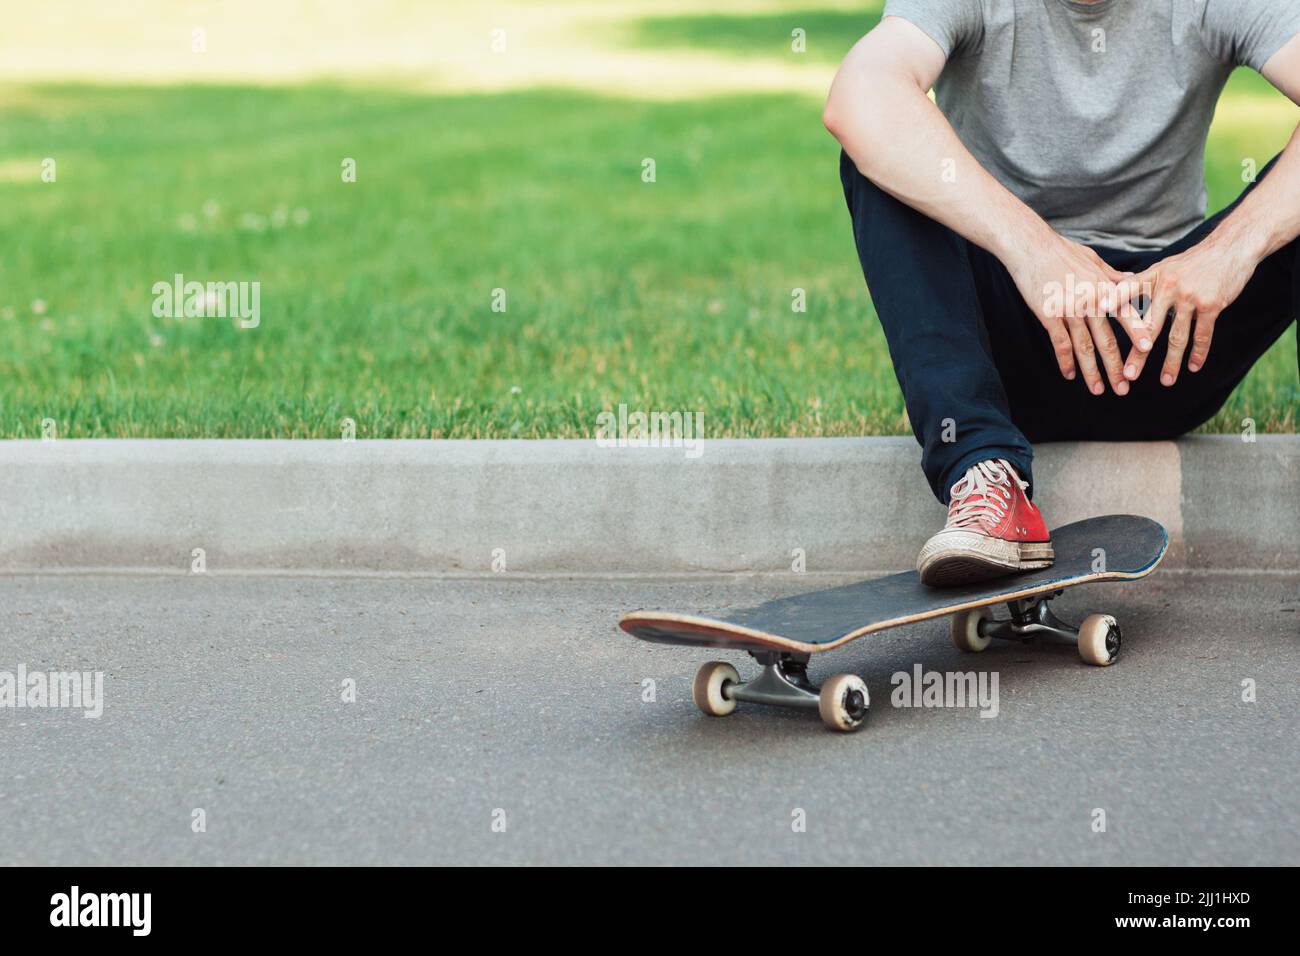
[1190, 290]
[1072, 291]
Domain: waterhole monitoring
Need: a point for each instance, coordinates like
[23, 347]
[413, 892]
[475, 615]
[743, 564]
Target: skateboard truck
[842, 701]
[783, 682]
[1097, 638]
[1032, 620]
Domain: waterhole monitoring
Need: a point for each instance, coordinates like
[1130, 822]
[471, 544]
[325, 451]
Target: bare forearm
[899, 139]
[1269, 217]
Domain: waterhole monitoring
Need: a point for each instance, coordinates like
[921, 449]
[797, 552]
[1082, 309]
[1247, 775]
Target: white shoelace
[983, 495]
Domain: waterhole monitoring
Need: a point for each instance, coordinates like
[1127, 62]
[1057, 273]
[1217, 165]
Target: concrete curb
[851, 505]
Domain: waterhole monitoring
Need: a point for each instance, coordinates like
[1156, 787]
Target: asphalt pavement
[503, 719]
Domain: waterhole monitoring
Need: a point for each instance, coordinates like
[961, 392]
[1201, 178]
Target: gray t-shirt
[1096, 114]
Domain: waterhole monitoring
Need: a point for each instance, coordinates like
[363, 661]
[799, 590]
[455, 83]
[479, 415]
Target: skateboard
[783, 634]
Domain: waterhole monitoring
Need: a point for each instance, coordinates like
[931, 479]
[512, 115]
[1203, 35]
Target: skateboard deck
[783, 633]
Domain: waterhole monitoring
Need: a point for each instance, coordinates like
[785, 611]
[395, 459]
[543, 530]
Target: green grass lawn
[376, 296]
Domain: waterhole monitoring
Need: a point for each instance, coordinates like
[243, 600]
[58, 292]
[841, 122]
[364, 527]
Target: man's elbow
[834, 117]
[831, 119]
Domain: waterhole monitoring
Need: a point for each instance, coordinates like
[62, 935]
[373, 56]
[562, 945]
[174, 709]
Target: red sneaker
[992, 529]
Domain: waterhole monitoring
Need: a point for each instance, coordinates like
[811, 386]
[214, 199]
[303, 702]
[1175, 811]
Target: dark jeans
[976, 367]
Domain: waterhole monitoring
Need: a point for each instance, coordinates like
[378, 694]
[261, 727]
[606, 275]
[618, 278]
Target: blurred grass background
[476, 170]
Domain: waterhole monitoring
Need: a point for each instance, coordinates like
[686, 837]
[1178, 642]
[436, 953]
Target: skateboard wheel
[966, 636]
[1099, 639]
[843, 702]
[712, 681]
